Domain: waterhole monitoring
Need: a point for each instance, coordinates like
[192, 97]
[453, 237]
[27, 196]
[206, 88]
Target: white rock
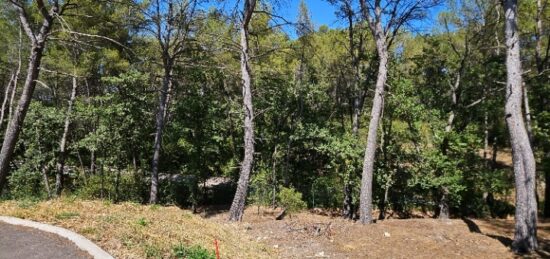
[386, 234]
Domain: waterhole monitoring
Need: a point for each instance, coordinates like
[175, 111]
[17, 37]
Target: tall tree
[11, 88]
[237, 206]
[541, 58]
[385, 19]
[170, 23]
[525, 236]
[59, 178]
[38, 39]
[356, 50]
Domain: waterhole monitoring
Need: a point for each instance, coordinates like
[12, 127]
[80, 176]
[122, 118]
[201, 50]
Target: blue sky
[323, 13]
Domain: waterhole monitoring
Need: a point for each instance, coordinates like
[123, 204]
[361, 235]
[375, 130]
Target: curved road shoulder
[80, 241]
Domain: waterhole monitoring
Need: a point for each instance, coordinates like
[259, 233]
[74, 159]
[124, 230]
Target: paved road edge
[80, 241]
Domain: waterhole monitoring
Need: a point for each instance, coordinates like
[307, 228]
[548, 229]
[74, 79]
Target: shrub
[193, 252]
[130, 187]
[291, 199]
[25, 183]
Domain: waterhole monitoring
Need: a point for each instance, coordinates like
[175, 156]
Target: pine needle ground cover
[129, 230]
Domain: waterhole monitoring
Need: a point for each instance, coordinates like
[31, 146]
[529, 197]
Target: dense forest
[152, 101]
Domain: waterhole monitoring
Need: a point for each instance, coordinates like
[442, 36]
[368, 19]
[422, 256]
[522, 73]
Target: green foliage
[142, 222]
[66, 215]
[130, 187]
[304, 91]
[327, 192]
[192, 252]
[263, 188]
[290, 199]
[27, 184]
[152, 251]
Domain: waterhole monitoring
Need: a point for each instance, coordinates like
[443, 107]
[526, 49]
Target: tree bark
[527, 111]
[163, 96]
[92, 162]
[375, 13]
[12, 86]
[44, 171]
[486, 138]
[7, 93]
[546, 167]
[525, 236]
[365, 206]
[15, 124]
[237, 207]
[59, 178]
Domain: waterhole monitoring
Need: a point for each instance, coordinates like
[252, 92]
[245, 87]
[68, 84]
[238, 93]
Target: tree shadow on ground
[213, 210]
[544, 248]
[544, 244]
[474, 228]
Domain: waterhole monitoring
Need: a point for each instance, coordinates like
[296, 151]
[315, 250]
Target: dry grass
[130, 230]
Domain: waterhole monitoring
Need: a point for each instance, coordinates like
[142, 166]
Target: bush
[261, 188]
[130, 187]
[291, 199]
[193, 252]
[26, 184]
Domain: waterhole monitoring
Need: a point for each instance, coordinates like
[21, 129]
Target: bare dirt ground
[308, 235]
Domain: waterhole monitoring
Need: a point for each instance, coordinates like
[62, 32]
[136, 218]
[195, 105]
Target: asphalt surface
[28, 243]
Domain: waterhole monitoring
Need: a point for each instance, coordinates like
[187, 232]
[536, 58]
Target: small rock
[276, 246]
[320, 254]
[386, 234]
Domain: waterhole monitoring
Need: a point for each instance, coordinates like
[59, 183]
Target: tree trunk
[494, 153]
[12, 99]
[384, 200]
[6, 97]
[237, 207]
[525, 236]
[444, 204]
[160, 119]
[497, 38]
[59, 181]
[12, 86]
[347, 211]
[356, 106]
[365, 206]
[538, 37]
[44, 171]
[546, 168]
[92, 162]
[527, 111]
[486, 138]
[16, 123]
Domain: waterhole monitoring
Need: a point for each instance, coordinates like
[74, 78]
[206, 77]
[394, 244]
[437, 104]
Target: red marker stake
[217, 249]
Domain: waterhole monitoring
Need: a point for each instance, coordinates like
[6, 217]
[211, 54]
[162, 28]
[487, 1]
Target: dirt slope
[308, 235]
